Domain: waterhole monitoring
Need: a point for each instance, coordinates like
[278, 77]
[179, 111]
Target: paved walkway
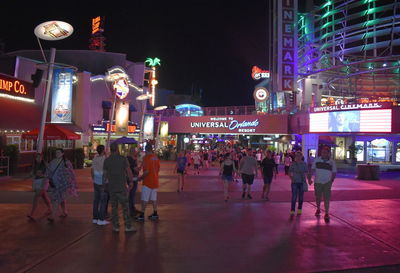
[198, 232]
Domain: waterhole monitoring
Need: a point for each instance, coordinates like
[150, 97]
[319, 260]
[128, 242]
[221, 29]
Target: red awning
[53, 132]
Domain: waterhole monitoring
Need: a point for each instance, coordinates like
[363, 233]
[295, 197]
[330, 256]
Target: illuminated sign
[257, 73]
[235, 124]
[97, 24]
[61, 103]
[163, 129]
[148, 126]
[261, 94]
[53, 30]
[101, 128]
[287, 45]
[356, 106]
[121, 88]
[363, 121]
[153, 61]
[16, 88]
[121, 118]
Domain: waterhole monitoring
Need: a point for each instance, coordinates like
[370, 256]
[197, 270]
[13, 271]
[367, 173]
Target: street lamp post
[51, 31]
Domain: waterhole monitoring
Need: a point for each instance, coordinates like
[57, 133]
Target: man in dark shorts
[268, 168]
[248, 170]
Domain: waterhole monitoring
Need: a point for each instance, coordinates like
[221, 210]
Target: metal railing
[215, 111]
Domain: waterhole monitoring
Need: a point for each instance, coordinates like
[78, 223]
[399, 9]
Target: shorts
[248, 178]
[149, 194]
[267, 180]
[180, 171]
[196, 166]
[227, 178]
[40, 184]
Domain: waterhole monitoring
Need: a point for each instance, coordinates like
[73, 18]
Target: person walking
[277, 159]
[325, 173]
[227, 172]
[134, 166]
[40, 185]
[268, 170]
[180, 169]
[196, 163]
[287, 161]
[62, 181]
[248, 170]
[205, 159]
[100, 193]
[116, 168]
[297, 173]
[151, 169]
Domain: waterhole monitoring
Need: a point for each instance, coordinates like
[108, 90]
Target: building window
[379, 150]
[64, 144]
[24, 145]
[398, 152]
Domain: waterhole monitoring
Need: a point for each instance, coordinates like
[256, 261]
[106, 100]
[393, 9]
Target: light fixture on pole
[144, 98]
[158, 110]
[50, 31]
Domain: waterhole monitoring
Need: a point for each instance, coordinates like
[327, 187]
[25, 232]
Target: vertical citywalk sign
[287, 45]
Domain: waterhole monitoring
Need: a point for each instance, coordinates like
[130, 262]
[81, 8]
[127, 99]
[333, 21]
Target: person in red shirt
[151, 168]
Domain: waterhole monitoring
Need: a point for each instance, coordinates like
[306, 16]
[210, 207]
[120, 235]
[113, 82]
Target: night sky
[209, 44]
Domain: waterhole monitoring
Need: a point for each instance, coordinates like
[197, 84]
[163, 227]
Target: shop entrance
[379, 151]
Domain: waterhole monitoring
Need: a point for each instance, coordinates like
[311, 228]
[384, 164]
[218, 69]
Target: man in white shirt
[325, 173]
[248, 170]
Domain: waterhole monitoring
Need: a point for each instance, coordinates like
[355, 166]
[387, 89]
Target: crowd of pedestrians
[245, 164]
[116, 178]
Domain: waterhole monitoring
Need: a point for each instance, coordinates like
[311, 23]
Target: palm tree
[153, 62]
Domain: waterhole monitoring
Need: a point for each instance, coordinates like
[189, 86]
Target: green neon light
[327, 4]
[153, 62]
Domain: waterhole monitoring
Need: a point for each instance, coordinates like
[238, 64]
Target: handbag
[51, 182]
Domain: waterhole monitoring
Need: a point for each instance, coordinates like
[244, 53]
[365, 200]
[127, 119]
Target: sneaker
[299, 212]
[115, 229]
[326, 217]
[94, 221]
[103, 222]
[318, 212]
[249, 196]
[130, 229]
[153, 216]
[243, 195]
[266, 198]
[140, 218]
[292, 212]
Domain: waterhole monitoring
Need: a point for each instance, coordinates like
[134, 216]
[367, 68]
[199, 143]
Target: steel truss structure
[353, 47]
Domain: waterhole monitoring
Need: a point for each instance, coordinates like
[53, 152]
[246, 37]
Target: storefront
[244, 130]
[364, 133]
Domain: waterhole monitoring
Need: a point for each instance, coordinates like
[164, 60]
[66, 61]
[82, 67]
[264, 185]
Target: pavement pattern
[199, 232]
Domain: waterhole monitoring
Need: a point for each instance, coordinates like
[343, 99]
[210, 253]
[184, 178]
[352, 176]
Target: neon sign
[153, 61]
[232, 125]
[15, 88]
[121, 88]
[257, 73]
[357, 106]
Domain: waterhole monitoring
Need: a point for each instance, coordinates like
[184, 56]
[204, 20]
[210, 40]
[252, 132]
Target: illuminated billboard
[354, 121]
[148, 126]
[61, 104]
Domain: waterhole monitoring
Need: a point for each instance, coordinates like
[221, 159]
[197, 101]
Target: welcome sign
[236, 124]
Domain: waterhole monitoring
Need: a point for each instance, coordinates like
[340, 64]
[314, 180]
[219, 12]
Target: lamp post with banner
[50, 31]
